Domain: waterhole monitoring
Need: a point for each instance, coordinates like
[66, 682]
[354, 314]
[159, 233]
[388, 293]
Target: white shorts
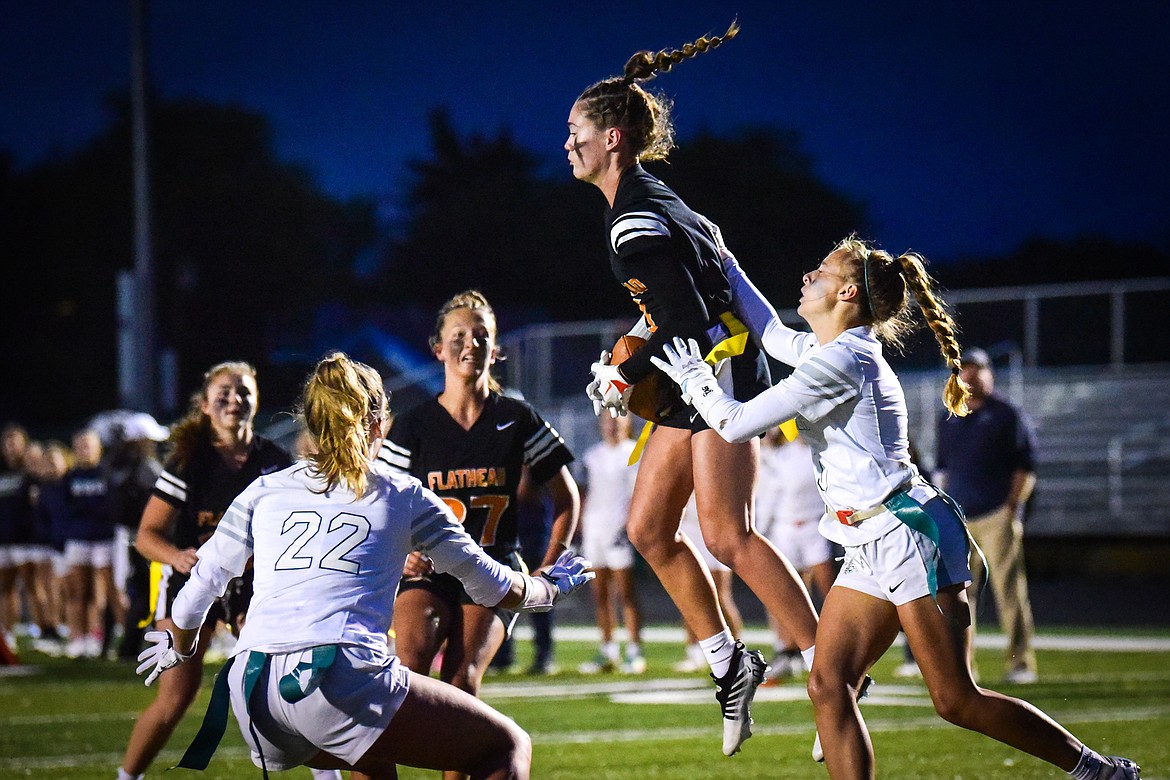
[356, 700]
[60, 565]
[123, 540]
[898, 566]
[607, 548]
[20, 554]
[690, 527]
[99, 555]
[801, 543]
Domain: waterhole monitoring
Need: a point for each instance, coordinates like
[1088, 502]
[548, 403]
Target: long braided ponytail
[643, 116]
[885, 281]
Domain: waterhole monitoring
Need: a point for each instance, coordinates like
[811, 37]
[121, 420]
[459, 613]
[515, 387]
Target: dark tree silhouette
[245, 247]
[478, 213]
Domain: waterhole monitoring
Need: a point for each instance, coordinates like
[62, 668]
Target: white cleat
[734, 691]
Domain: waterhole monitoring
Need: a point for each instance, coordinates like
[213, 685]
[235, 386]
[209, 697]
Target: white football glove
[609, 389]
[162, 655]
[593, 389]
[684, 364]
[569, 573]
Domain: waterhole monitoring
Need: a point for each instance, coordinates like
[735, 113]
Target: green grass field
[70, 719]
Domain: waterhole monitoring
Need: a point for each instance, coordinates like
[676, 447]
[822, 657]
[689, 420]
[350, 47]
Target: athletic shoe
[598, 664]
[784, 666]
[93, 646]
[1022, 676]
[634, 664]
[818, 754]
[75, 648]
[907, 670]
[1119, 768]
[734, 691]
[51, 648]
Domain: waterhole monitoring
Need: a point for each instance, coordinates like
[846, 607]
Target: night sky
[964, 127]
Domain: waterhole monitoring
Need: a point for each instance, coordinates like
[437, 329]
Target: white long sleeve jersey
[848, 406]
[327, 566]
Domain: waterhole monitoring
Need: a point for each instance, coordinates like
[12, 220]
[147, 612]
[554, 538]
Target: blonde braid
[620, 101]
[644, 66]
[941, 324]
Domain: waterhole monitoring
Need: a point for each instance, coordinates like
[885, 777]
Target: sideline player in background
[905, 543]
[662, 253]
[330, 537]
[217, 453]
[788, 508]
[605, 509]
[469, 445]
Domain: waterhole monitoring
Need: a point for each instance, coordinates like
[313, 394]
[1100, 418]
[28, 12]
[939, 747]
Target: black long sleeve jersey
[660, 251]
[477, 471]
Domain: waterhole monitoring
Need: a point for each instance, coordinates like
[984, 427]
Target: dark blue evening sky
[965, 127]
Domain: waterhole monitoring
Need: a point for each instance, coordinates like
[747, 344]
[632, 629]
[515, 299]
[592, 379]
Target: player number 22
[310, 525]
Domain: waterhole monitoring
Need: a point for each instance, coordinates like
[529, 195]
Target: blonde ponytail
[341, 400]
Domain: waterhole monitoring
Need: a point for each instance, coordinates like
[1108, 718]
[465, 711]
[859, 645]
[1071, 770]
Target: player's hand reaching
[609, 389]
[569, 573]
[161, 655]
[685, 366]
[548, 584]
[417, 565]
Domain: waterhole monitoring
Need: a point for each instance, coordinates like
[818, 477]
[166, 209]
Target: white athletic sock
[1089, 765]
[326, 774]
[124, 775]
[633, 650]
[611, 650]
[807, 655]
[718, 650]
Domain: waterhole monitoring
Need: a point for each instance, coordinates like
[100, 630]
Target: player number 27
[309, 524]
[495, 506]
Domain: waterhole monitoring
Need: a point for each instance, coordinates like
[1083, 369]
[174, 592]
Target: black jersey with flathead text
[660, 251]
[477, 471]
[203, 489]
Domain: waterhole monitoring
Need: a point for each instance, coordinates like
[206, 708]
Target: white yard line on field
[673, 734]
[762, 636]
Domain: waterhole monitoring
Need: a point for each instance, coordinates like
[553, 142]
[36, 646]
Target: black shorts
[165, 584]
[749, 378]
[449, 589]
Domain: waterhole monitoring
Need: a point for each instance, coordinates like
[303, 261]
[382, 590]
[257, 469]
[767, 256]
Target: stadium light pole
[139, 392]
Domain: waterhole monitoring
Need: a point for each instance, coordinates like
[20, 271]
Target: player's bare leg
[661, 490]
[941, 633]
[439, 726]
[725, 478]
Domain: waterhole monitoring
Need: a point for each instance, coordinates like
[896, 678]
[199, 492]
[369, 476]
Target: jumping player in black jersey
[469, 445]
[217, 454]
[666, 256]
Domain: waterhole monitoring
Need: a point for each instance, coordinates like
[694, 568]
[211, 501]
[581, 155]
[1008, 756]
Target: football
[646, 397]
[625, 346]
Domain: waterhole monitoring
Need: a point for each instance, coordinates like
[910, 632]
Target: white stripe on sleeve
[636, 224]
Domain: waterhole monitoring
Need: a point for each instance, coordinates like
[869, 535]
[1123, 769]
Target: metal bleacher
[1103, 431]
[1103, 445]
